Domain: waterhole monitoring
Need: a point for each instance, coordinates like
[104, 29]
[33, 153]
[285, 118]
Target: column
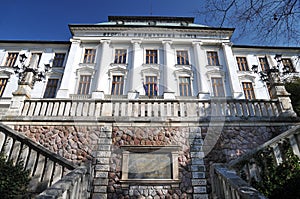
[137, 58]
[236, 90]
[101, 69]
[168, 53]
[200, 66]
[69, 73]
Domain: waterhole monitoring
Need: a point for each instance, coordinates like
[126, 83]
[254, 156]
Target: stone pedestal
[17, 101]
[98, 95]
[133, 95]
[202, 95]
[169, 95]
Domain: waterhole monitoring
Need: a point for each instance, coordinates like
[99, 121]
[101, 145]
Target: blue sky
[49, 19]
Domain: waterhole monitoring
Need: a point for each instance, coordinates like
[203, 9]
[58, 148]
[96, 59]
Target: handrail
[45, 167]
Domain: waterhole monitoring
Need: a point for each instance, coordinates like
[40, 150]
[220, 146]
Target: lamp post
[274, 76]
[28, 74]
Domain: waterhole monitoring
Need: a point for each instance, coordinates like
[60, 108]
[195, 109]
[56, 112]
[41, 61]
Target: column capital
[227, 44]
[165, 42]
[136, 43]
[75, 41]
[105, 41]
[197, 43]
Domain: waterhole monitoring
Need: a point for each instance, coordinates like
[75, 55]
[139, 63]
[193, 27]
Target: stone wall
[103, 146]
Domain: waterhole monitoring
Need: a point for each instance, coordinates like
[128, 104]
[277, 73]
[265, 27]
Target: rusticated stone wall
[83, 143]
[150, 136]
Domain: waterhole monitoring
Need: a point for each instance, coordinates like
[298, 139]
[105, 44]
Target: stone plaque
[149, 166]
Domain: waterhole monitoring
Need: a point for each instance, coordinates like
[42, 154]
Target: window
[117, 85]
[182, 57]
[120, 56]
[11, 59]
[84, 85]
[151, 86]
[242, 63]
[184, 86]
[35, 59]
[218, 88]
[248, 90]
[89, 56]
[51, 88]
[287, 63]
[151, 56]
[264, 63]
[212, 58]
[59, 59]
[3, 82]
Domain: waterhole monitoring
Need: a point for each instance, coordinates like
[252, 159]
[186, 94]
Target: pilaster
[236, 90]
[137, 54]
[166, 67]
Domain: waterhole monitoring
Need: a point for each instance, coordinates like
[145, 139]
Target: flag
[145, 88]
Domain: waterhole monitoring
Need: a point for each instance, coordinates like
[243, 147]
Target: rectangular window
[287, 63]
[117, 85]
[264, 63]
[89, 56]
[3, 82]
[151, 86]
[59, 59]
[51, 88]
[35, 59]
[84, 85]
[248, 90]
[182, 57]
[184, 86]
[11, 59]
[212, 58]
[218, 88]
[151, 56]
[120, 56]
[242, 63]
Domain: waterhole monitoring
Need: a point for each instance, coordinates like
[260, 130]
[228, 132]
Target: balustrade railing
[45, 167]
[226, 182]
[151, 108]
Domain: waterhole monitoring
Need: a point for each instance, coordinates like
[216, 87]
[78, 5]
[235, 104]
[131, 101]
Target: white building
[167, 57]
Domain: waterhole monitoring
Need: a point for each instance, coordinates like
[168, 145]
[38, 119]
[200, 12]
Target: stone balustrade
[74, 185]
[45, 167]
[151, 108]
[227, 184]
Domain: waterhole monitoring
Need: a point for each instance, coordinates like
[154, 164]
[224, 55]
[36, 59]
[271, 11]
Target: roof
[151, 18]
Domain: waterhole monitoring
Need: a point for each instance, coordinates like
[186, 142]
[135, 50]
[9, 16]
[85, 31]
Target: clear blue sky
[49, 19]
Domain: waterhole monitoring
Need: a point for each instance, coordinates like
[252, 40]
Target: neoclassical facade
[163, 57]
[148, 103]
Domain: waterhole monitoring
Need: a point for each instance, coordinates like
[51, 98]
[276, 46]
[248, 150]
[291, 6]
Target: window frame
[153, 57]
[153, 85]
[242, 64]
[251, 95]
[215, 87]
[212, 58]
[87, 56]
[120, 58]
[290, 65]
[182, 59]
[264, 64]
[118, 83]
[87, 86]
[3, 84]
[52, 89]
[185, 89]
[11, 61]
[61, 61]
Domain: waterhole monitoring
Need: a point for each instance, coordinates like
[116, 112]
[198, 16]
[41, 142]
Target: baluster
[98, 109]
[143, 109]
[61, 109]
[129, 109]
[49, 108]
[123, 108]
[85, 108]
[79, 109]
[25, 108]
[92, 109]
[176, 109]
[55, 109]
[294, 145]
[44, 108]
[277, 153]
[37, 109]
[135, 109]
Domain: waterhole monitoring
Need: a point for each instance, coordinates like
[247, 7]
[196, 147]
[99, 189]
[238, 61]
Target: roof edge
[266, 47]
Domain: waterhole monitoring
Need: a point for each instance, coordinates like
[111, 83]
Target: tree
[275, 21]
[293, 87]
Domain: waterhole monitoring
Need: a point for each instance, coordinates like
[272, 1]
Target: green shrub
[293, 87]
[13, 179]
